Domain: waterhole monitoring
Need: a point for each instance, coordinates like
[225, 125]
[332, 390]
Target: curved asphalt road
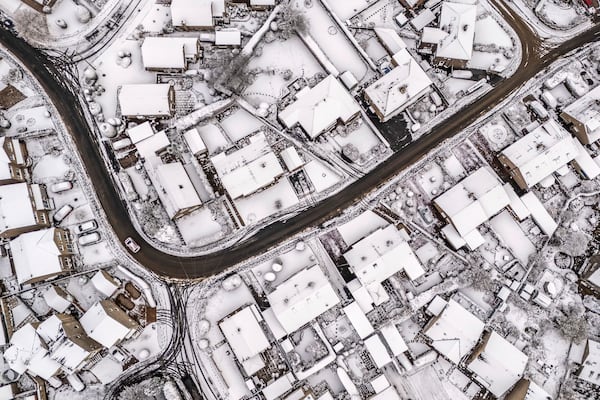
[198, 267]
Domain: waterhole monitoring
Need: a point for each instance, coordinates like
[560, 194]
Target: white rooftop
[15, 209]
[104, 283]
[194, 13]
[27, 353]
[458, 20]
[228, 37]
[473, 200]
[140, 132]
[35, 255]
[454, 332]
[248, 169]
[194, 141]
[179, 192]
[54, 297]
[586, 110]
[102, 327]
[163, 53]
[390, 39]
[244, 333]
[142, 100]
[400, 87]
[541, 152]
[302, 298]
[320, 107]
[499, 366]
[380, 255]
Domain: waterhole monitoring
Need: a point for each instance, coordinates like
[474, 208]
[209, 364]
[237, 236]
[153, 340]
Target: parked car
[86, 226]
[62, 213]
[132, 245]
[89, 238]
[61, 186]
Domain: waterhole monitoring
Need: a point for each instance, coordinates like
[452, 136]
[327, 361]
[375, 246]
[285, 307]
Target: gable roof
[35, 254]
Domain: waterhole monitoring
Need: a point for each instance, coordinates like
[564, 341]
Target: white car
[132, 245]
[61, 186]
[89, 238]
[62, 213]
[86, 226]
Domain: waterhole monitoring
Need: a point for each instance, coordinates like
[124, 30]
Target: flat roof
[358, 319]
[377, 351]
[163, 53]
[140, 100]
[244, 333]
[540, 215]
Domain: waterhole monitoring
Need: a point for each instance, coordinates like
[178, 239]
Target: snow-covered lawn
[30, 120]
[198, 226]
[276, 58]
[67, 11]
[363, 138]
[291, 262]
[240, 124]
[50, 168]
[488, 31]
[333, 41]
[556, 16]
[321, 176]
[511, 234]
[146, 342]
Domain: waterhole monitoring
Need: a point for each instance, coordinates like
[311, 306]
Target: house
[319, 109]
[196, 14]
[67, 342]
[107, 324]
[470, 203]
[537, 155]
[142, 101]
[590, 364]
[169, 54]
[56, 298]
[590, 274]
[171, 181]
[497, 364]
[27, 352]
[526, 389]
[39, 255]
[249, 169]
[302, 298]
[243, 332]
[583, 115]
[454, 331]
[10, 96]
[194, 141]
[402, 86]
[389, 39]
[13, 160]
[261, 4]
[452, 43]
[23, 208]
[104, 283]
[39, 5]
[228, 37]
[379, 256]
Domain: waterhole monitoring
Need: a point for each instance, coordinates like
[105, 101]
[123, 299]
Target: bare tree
[290, 21]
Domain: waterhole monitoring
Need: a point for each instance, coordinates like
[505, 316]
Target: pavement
[185, 268]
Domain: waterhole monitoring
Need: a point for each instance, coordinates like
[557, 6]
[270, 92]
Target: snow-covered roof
[397, 89]
[291, 158]
[390, 39]
[499, 365]
[228, 37]
[317, 109]
[194, 141]
[424, 18]
[541, 152]
[35, 255]
[377, 350]
[585, 163]
[192, 13]
[244, 333]
[394, 339]
[586, 110]
[107, 370]
[248, 169]
[278, 387]
[15, 209]
[380, 255]
[458, 20]
[177, 188]
[56, 298]
[146, 100]
[140, 132]
[107, 324]
[454, 332]
[163, 53]
[104, 283]
[590, 365]
[433, 35]
[256, 3]
[358, 319]
[28, 353]
[302, 298]
[473, 200]
[388, 394]
[539, 213]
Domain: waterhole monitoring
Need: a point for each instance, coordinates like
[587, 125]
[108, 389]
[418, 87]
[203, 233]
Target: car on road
[88, 239]
[62, 213]
[86, 226]
[61, 186]
[132, 245]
